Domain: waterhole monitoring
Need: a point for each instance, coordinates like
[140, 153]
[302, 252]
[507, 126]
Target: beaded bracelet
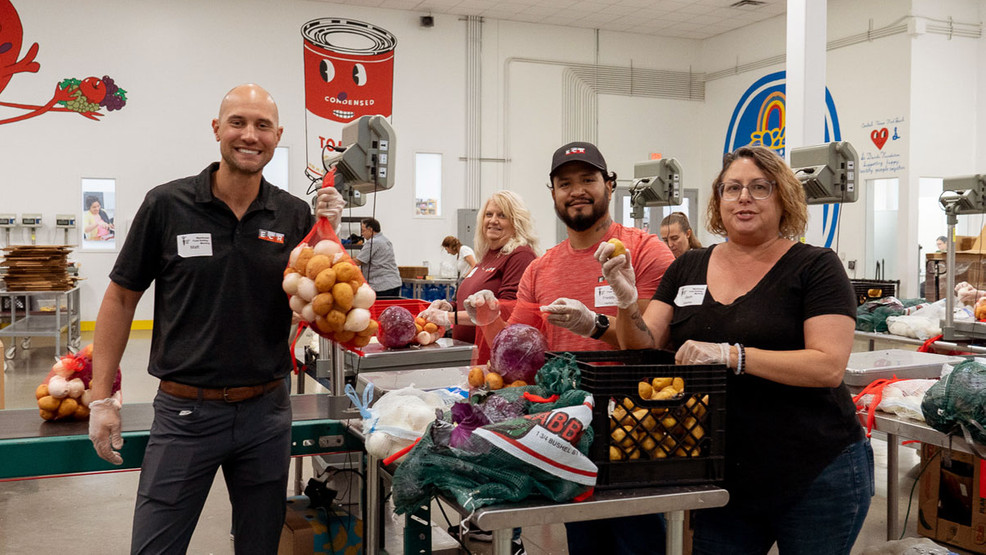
[740, 359]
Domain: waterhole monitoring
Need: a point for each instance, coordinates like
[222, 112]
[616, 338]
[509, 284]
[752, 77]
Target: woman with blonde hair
[780, 315]
[505, 245]
[678, 234]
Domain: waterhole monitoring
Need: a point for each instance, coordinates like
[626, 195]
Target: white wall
[177, 59]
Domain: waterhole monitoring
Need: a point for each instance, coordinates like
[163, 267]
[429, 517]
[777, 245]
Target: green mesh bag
[496, 463]
[957, 403]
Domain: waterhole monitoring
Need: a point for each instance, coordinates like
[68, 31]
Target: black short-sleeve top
[779, 437]
[221, 318]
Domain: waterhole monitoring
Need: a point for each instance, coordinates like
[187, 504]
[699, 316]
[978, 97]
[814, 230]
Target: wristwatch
[602, 324]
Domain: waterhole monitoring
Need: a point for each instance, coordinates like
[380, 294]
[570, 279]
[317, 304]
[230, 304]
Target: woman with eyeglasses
[779, 314]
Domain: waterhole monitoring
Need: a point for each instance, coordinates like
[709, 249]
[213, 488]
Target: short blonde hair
[516, 211]
[794, 209]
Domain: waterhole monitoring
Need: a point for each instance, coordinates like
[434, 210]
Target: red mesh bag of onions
[326, 288]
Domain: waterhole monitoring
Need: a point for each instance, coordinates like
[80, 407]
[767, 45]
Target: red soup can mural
[349, 73]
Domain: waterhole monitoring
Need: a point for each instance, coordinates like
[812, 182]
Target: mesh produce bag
[543, 451]
[958, 402]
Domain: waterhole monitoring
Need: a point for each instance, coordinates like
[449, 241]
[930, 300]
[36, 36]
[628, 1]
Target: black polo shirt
[221, 318]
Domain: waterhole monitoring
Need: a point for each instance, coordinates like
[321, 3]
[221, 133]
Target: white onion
[364, 297]
[327, 247]
[297, 304]
[357, 320]
[308, 313]
[307, 289]
[58, 387]
[75, 388]
[425, 338]
[290, 283]
[337, 257]
[294, 254]
[61, 370]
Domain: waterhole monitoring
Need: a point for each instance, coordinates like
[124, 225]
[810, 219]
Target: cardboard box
[310, 531]
[952, 503]
[413, 272]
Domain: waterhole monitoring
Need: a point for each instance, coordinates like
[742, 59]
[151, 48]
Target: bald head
[251, 94]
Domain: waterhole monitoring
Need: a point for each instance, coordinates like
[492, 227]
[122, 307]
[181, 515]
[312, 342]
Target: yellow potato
[678, 384]
[619, 413]
[660, 383]
[301, 263]
[344, 336]
[476, 377]
[322, 303]
[518, 383]
[41, 391]
[81, 412]
[67, 407]
[494, 380]
[370, 330]
[46, 414]
[645, 390]
[342, 296]
[361, 340]
[316, 264]
[336, 319]
[615, 453]
[430, 327]
[346, 271]
[325, 280]
[48, 403]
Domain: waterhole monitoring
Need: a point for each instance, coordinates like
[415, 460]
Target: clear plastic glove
[329, 205]
[571, 315]
[437, 313]
[968, 294]
[104, 429]
[482, 307]
[700, 352]
[618, 272]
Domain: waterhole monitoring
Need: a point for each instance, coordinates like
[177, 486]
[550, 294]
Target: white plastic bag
[914, 326]
[398, 418]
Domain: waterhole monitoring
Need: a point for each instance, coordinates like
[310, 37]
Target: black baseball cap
[578, 152]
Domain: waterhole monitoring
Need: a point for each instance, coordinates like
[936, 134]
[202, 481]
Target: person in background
[96, 226]
[563, 284]
[942, 243]
[377, 260]
[506, 244]
[215, 245]
[780, 315]
[678, 234]
[465, 257]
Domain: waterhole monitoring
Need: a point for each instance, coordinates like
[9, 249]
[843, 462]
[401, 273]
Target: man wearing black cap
[567, 284]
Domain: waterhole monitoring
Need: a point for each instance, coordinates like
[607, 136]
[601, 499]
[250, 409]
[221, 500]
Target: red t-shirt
[576, 274]
[498, 272]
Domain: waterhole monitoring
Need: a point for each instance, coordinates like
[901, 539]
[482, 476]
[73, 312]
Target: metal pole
[948, 329]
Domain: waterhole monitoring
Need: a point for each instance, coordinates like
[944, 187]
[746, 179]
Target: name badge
[195, 244]
[690, 295]
[605, 296]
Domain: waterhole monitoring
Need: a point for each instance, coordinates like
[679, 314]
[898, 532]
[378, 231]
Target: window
[427, 184]
[276, 171]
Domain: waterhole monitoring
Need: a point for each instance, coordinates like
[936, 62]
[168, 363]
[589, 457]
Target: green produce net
[957, 403]
[539, 448]
[872, 315]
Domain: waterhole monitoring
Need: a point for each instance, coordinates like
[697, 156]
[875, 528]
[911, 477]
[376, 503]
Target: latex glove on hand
[437, 313]
[618, 272]
[482, 307]
[104, 429]
[329, 205]
[571, 315]
[700, 352]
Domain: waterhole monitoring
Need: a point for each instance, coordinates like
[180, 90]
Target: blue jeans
[824, 520]
[631, 535]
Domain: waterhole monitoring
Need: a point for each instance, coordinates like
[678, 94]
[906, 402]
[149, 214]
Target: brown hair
[682, 220]
[794, 210]
[452, 243]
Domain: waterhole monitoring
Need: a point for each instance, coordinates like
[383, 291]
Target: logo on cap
[575, 150]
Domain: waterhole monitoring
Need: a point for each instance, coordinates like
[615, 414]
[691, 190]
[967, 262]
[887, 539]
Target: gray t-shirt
[379, 264]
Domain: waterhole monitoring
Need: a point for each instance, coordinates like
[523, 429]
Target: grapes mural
[87, 97]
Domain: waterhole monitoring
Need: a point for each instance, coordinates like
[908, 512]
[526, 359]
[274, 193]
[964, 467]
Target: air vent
[745, 3]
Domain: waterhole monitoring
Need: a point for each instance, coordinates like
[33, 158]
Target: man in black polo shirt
[216, 244]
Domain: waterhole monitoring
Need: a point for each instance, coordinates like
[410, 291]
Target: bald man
[216, 245]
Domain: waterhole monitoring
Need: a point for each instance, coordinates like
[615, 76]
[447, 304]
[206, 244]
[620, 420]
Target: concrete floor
[92, 514]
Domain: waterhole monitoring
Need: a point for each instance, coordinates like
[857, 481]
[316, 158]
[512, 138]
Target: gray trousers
[189, 441]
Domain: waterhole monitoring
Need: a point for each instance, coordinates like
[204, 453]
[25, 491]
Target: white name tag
[605, 296]
[195, 244]
[690, 295]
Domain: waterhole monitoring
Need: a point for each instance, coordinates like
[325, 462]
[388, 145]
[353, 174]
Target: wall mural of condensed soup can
[349, 73]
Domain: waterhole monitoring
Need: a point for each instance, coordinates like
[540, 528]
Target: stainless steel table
[502, 519]
[898, 429]
[873, 337]
[30, 317]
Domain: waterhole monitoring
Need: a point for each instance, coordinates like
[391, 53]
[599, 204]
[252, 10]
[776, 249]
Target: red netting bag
[65, 392]
[327, 289]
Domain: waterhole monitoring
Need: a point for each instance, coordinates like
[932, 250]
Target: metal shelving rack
[22, 311]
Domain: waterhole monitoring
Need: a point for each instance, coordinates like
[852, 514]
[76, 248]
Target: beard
[582, 222]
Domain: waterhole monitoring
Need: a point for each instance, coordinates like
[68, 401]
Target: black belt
[228, 394]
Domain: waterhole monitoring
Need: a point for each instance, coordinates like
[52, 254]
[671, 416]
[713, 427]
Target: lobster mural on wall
[85, 97]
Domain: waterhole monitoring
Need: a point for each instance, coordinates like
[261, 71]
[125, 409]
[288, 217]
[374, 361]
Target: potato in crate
[655, 423]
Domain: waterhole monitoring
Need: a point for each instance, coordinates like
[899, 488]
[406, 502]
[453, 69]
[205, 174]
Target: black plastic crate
[874, 289]
[675, 451]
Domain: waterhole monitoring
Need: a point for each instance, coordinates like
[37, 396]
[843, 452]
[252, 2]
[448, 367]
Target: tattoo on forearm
[638, 320]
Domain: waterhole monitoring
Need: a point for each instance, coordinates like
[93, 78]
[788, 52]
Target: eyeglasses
[759, 189]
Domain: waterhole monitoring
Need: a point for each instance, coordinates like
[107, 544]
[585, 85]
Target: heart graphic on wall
[879, 137]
